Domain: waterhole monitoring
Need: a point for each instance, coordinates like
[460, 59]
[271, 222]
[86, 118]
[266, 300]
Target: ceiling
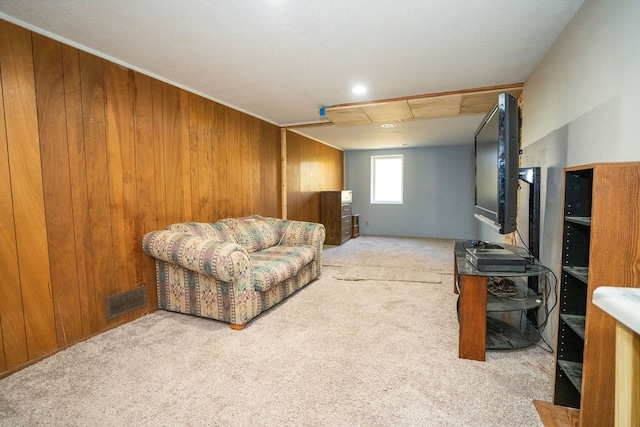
[285, 60]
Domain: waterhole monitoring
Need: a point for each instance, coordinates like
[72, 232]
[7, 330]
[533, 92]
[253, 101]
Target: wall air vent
[125, 302]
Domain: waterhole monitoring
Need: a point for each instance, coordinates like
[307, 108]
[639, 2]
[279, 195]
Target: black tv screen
[497, 148]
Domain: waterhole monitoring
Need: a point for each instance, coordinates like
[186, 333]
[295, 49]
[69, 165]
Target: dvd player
[498, 260]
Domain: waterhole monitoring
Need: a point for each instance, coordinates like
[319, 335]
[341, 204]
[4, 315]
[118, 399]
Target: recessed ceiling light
[359, 89]
[387, 125]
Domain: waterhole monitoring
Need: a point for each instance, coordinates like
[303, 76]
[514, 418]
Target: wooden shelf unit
[355, 225]
[601, 230]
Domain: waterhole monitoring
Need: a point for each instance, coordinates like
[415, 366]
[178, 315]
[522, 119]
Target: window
[386, 179]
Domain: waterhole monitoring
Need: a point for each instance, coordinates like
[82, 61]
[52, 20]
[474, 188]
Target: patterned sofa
[233, 269]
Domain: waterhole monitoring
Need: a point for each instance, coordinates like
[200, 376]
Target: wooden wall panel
[157, 101]
[185, 148]
[11, 313]
[3, 362]
[57, 189]
[236, 137]
[146, 144]
[92, 157]
[122, 175]
[97, 167]
[176, 182]
[200, 150]
[21, 124]
[78, 184]
[251, 166]
[312, 167]
[270, 180]
[221, 171]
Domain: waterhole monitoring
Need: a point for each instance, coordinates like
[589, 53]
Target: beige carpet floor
[344, 351]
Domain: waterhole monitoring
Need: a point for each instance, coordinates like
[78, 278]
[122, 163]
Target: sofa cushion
[216, 231]
[254, 233]
[278, 263]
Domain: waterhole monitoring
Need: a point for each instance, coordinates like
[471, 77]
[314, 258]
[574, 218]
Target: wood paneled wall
[93, 156]
[311, 167]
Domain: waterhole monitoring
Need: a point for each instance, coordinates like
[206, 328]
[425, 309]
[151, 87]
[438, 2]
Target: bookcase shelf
[575, 322]
[583, 220]
[573, 370]
[580, 273]
[601, 223]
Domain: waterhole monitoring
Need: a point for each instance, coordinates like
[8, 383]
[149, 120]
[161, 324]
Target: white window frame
[375, 166]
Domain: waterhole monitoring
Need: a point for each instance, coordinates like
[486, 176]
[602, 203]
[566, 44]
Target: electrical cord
[502, 287]
[549, 290]
[523, 243]
[539, 328]
[523, 321]
[553, 288]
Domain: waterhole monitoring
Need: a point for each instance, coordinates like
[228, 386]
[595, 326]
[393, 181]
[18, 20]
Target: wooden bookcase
[601, 231]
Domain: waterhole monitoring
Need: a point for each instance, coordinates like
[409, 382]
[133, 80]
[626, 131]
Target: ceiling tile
[388, 111]
[347, 115]
[437, 106]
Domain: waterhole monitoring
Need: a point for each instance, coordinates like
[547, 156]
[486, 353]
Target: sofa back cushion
[215, 231]
[255, 233]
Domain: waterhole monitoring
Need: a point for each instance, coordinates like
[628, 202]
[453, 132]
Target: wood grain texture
[52, 124]
[614, 260]
[222, 172]
[146, 144]
[627, 408]
[336, 217]
[557, 416]
[21, 124]
[78, 185]
[473, 317]
[312, 167]
[186, 149]
[92, 157]
[174, 199]
[122, 174]
[3, 362]
[270, 179]
[200, 149]
[97, 167]
[283, 172]
[11, 312]
[236, 149]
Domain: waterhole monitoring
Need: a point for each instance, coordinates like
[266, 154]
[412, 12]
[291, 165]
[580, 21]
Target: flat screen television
[497, 148]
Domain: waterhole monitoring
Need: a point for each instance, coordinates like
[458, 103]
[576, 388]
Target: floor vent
[125, 302]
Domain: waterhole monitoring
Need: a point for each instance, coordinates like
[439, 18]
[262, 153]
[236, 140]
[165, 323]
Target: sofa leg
[237, 327]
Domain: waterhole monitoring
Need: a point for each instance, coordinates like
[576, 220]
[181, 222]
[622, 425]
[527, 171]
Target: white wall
[438, 193]
[582, 105]
[590, 82]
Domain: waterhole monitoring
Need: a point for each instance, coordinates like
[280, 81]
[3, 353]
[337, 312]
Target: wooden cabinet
[601, 231]
[335, 214]
[355, 225]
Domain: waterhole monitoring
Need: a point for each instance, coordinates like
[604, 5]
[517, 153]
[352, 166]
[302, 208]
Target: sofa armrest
[304, 233]
[301, 232]
[225, 261]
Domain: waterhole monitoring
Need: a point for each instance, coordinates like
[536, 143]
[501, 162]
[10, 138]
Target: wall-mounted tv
[497, 148]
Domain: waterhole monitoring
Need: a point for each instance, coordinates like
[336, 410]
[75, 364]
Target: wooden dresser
[335, 215]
